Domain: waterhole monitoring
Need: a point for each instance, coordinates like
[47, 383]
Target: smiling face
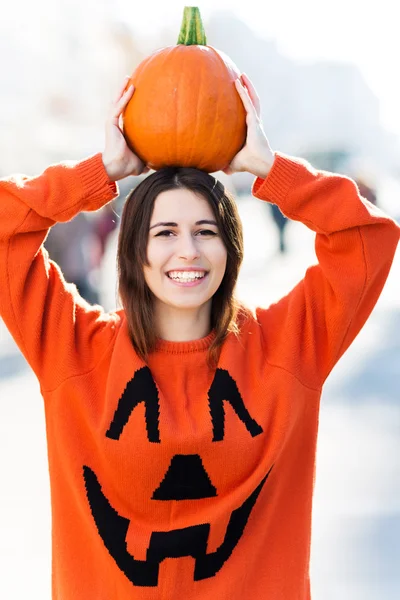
[204, 235]
[185, 252]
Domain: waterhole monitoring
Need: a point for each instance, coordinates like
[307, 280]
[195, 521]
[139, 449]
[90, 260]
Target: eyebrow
[172, 224]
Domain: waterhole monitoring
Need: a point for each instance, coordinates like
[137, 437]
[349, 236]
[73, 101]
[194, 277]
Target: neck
[182, 325]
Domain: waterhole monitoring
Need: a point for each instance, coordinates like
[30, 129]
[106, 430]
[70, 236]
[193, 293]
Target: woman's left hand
[256, 156]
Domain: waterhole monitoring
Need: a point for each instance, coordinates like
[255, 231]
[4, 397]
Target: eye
[165, 233]
[207, 232]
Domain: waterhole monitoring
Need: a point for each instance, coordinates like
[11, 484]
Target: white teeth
[186, 275]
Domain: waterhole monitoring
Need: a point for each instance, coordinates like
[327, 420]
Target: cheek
[150, 255]
[150, 270]
[156, 257]
[220, 257]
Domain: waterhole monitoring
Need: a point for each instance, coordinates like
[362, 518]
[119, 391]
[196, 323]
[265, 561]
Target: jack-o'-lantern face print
[185, 479]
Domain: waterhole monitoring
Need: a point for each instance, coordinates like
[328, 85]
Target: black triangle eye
[224, 388]
[142, 388]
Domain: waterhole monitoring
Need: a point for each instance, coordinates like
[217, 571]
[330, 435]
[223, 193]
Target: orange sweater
[169, 480]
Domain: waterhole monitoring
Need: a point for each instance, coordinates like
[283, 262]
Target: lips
[189, 541]
[187, 277]
[187, 273]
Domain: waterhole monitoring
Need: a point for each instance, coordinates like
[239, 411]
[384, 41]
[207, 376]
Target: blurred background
[327, 76]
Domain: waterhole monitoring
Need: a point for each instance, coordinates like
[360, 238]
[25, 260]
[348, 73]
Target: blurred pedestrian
[367, 191]
[281, 222]
[105, 224]
[75, 247]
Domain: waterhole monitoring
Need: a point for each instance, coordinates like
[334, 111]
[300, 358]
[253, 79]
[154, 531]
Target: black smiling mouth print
[190, 541]
[185, 479]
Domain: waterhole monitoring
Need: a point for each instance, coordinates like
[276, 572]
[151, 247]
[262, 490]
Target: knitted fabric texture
[169, 479]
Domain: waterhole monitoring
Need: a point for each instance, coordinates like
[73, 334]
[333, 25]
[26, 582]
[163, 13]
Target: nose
[188, 249]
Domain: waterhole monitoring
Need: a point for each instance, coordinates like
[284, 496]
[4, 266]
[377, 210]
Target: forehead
[181, 205]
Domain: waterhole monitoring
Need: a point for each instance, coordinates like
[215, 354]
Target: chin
[186, 303]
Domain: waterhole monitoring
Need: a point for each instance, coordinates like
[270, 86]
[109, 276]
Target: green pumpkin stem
[192, 30]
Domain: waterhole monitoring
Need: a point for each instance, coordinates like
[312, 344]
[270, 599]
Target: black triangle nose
[186, 479]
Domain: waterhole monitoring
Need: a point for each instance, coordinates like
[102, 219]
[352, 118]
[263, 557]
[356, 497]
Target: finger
[248, 94]
[122, 89]
[252, 92]
[244, 94]
[118, 107]
[228, 171]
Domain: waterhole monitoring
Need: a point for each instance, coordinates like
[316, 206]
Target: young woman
[182, 429]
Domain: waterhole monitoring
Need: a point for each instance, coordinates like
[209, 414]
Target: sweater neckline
[199, 345]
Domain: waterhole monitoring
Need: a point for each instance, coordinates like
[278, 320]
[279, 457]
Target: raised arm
[309, 329]
[40, 310]
[57, 331]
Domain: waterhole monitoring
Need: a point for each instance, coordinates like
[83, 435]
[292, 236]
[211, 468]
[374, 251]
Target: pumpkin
[186, 110]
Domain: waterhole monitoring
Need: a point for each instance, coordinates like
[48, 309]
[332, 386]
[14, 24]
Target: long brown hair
[134, 292]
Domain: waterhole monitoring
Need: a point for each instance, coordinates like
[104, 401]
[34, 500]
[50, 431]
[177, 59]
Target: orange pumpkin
[185, 110]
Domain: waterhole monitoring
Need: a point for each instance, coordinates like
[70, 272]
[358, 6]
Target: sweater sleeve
[57, 331]
[308, 330]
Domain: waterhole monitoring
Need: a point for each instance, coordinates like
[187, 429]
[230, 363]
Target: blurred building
[324, 110]
[62, 63]
[66, 59]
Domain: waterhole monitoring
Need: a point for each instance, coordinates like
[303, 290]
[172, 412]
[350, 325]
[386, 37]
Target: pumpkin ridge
[216, 112]
[177, 111]
[162, 148]
[211, 138]
[194, 148]
[173, 141]
[228, 65]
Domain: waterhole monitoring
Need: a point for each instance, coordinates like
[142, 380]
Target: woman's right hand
[119, 161]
